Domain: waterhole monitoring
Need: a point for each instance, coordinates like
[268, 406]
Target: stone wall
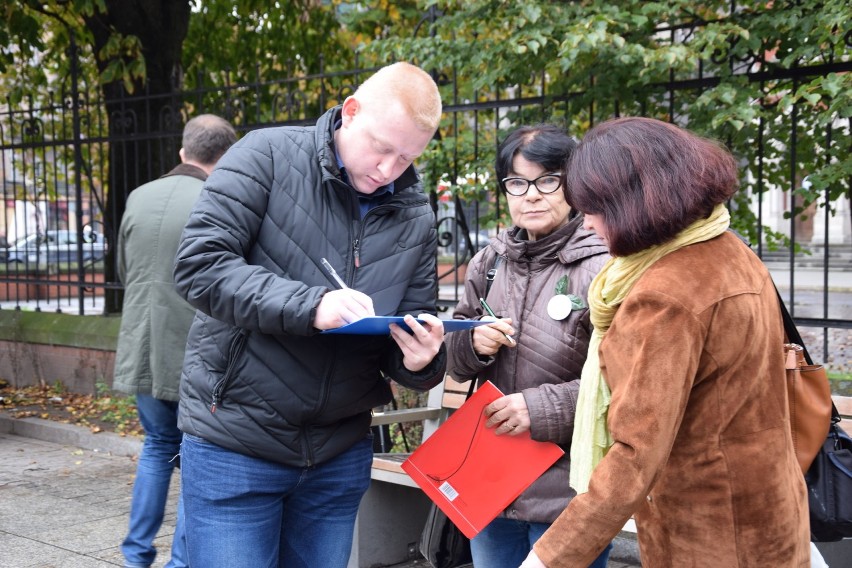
[41, 347]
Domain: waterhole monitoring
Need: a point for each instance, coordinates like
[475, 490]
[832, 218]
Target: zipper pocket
[237, 345]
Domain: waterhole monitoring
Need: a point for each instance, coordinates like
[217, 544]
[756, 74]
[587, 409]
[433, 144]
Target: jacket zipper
[357, 252]
[235, 349]
[356, 244]
[323, 400]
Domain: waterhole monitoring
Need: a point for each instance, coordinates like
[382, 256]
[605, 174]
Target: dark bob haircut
[648, 180]
[543, 144]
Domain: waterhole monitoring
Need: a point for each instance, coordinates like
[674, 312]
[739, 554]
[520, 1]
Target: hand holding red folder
[470, 472]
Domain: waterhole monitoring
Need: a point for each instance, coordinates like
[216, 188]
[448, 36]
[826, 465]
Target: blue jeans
[151, 488]
[246, 512]
[505, 543]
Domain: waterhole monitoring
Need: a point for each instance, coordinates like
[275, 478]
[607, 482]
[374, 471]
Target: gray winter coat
[547, 362]
[155, 320]
[258, 378]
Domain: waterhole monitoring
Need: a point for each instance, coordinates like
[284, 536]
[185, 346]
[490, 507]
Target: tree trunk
[136, 125]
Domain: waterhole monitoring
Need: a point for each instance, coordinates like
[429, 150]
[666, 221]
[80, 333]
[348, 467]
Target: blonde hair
[408, 85]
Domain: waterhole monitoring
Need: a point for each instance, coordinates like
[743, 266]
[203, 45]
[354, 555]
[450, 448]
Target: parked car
[452, 242]
[53, 247]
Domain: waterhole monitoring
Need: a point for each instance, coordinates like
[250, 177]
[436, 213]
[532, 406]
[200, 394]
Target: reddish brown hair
[648, 180]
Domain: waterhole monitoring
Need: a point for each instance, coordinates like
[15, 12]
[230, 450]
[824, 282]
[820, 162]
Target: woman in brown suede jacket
[696, 440]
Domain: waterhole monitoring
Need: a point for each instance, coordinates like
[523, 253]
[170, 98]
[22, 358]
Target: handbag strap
[492, 272]
[489, 280]
[470, 388]
[790, 330]
[793, 336]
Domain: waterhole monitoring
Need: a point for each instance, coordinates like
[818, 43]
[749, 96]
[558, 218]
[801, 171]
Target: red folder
[471, 473]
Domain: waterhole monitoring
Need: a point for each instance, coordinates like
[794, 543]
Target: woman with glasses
[540, 270]
[685, 380]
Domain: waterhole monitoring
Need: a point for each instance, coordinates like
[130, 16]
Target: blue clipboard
[378, 325]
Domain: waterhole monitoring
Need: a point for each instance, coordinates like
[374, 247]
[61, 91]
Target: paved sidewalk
[66, 507]
[65, 497]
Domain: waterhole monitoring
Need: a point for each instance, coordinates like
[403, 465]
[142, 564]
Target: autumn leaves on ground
[101, 412]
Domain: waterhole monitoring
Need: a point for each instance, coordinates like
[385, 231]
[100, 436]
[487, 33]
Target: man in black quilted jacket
[276, 451]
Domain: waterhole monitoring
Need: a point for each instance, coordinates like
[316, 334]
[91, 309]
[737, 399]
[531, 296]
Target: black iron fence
[69, 160]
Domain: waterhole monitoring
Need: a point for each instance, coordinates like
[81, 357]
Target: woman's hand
[508, 415]
[487, 339]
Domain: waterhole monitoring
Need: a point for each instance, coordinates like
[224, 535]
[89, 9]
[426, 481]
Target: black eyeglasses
[545, 183]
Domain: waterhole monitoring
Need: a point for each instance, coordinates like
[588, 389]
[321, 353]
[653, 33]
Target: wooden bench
[442, 401]
[393, 512]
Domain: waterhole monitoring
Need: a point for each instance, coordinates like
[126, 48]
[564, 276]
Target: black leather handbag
[829, 481]
[442, 544]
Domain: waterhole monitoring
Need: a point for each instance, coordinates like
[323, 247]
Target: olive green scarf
[608, 290]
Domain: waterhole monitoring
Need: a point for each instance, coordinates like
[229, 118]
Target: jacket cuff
[424, 379]
[538, 416]
[464, 362]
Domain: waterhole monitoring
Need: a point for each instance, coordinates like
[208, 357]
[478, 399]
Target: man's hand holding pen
[340, 307]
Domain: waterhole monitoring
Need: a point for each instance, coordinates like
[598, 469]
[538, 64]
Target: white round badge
[559, 307]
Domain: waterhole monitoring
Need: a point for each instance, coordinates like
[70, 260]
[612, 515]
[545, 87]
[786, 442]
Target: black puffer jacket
[258, 378]
[548, 360]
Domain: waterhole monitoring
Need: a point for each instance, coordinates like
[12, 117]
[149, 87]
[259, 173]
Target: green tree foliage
[217, 41]
[752, 74]
[120, 49]
[157, 48]
[35, 38]
[257, 43]
[250, 40]
[747, 73]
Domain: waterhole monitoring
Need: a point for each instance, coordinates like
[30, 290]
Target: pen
[491, 313]
[330, 269]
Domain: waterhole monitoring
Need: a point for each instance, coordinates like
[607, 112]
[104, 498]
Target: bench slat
[844, 407]
[405, 415]
[388, 468]
[843, 404]
[450, 384]
[453, 400]
[390, 462]
[394, 477]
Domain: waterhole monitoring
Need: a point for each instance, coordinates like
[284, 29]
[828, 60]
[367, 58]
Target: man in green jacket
[154, 326]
